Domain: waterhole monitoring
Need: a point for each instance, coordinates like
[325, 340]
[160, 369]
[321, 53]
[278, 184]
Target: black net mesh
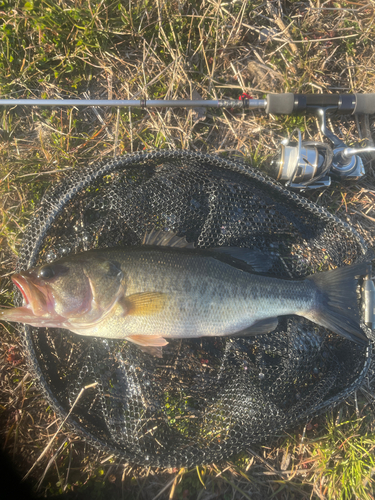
[205, 398]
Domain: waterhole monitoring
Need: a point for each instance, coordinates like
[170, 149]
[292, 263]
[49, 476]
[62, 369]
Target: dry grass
[167, 50]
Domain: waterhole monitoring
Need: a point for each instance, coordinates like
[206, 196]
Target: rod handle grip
[365, 104]
[289, 103]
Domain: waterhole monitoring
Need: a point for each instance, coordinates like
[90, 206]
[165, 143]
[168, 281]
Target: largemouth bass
[149, 293]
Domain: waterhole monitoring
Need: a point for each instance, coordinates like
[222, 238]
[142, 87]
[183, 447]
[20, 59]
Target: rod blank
[158, 103]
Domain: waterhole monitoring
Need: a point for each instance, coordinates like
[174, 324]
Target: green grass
[345, 460]
[158, 49]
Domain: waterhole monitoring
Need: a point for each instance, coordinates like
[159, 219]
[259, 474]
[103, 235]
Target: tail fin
[338, 301]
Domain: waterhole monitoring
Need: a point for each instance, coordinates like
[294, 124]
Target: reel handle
[347, 153]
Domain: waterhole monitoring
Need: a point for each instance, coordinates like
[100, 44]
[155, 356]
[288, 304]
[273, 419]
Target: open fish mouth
[23, 287]
[35, 295]
[38, 307]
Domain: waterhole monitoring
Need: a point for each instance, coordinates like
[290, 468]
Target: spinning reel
[312, 164]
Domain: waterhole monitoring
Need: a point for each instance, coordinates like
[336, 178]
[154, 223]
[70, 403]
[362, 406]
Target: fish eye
[46, 272]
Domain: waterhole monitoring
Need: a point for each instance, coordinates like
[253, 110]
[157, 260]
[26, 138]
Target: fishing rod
[276, 104]
[298, 164]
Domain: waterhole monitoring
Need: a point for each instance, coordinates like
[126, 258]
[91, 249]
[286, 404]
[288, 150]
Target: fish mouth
[21, 284]
[36, 295]
[38, 307]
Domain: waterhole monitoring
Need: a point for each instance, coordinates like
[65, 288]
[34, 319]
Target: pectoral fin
[144, 304]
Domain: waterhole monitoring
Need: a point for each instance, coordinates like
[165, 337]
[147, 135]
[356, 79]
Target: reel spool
[303, 165]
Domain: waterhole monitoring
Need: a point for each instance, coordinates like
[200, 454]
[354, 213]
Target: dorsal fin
[259, 261]
[165, 239]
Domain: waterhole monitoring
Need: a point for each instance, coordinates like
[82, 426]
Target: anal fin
[262, 326]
